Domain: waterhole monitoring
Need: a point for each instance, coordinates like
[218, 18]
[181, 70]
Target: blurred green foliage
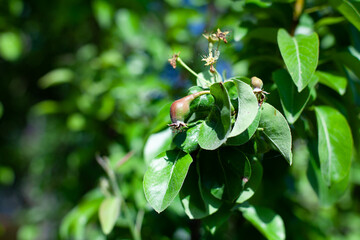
[81, 78]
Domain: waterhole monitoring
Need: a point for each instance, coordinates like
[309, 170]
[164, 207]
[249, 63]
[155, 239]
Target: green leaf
[292, 101]
[157, 143]
[191, 198]
[237, 170]
[203, 103]
[164, 178]
[326, 21]
[215, 221]
[248, 108]
[56, 77]
[245, 135]
[327, 195]
[73, 225]
[211, 180]
[252, 185]
[223, 174]
[103, 13]
[349, 60]
[11, 46]
[215, 129]
[265, 220]
[188, 139]
[336, 82]
[300, 54]
[276, 129]
[350, 10]
[206, 78]
[335, 144]
[108, 213]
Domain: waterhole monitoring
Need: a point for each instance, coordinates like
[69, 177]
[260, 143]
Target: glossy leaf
[157, 143]
[252, 185]
[247, 109]
[300, 54]
[350, 10]
[215, 129]
[277, 130]
[108, 213]
[265, 220]
[164, 178]
[335, 144]
[338, 83]
[188, 140]
[245, 135]
[203, 103]
[292, 101]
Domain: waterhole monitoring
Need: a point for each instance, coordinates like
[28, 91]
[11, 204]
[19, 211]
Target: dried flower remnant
[173, 60]
[210, 60]
[211, 37]
[222, 35]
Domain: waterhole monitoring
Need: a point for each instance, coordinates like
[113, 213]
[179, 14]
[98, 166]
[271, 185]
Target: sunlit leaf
[246, 135]
[247, 110]
[300, 54]
[10, 46]
[276, 129]
[216, 128]
[157, 143]
[265, 220]
[73, 225]
[206, 78]
[292, 101]
[164, 178]
[336, 82]
[335, 144]
[108, 213]
[56, 77]
[103, 12]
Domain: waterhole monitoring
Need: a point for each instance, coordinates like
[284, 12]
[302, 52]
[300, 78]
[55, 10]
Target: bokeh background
[81, 78]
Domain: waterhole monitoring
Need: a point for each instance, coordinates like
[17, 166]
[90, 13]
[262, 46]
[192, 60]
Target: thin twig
[124, 159]
[187, 67]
